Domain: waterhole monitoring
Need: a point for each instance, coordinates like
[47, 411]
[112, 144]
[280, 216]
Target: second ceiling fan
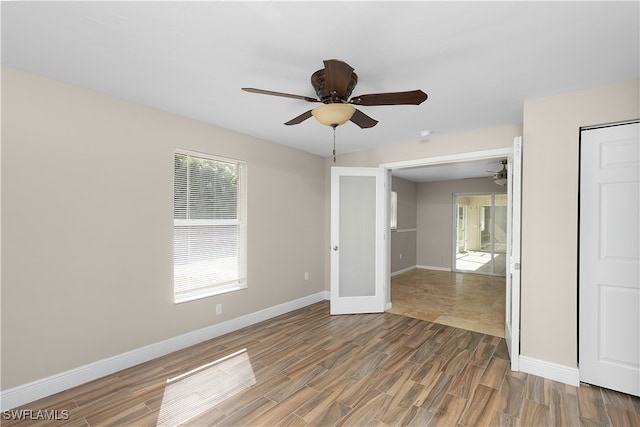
[333, 85]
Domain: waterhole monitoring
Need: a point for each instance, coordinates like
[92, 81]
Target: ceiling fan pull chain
[334, 142]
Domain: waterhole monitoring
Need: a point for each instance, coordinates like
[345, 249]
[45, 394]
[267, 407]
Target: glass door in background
[481, 233]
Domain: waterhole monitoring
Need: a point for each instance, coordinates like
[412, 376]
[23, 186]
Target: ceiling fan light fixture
[333, 114]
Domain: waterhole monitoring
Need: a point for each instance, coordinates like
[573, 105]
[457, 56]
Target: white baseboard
[429, 267]
[423, 267]
[44, 387]
[552, 371]
[404, 270]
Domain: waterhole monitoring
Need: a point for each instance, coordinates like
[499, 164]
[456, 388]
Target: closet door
[609, 258]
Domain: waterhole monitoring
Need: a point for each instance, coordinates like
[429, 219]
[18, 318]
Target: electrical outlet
[400, 256]
[306, 275]
[218, 308]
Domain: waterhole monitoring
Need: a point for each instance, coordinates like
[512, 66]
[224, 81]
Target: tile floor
[469, 301]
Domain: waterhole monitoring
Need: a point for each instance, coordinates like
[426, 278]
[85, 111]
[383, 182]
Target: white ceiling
[478, 61]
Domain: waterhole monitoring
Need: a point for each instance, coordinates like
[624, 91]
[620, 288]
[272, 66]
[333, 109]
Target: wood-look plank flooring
[308, 368]
[475, 302]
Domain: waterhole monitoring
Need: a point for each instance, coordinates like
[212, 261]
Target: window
[393, 214]
[209, 226]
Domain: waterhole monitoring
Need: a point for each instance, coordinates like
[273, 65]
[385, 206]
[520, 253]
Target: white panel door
[609, 328]
[512, 315]
[358, 233]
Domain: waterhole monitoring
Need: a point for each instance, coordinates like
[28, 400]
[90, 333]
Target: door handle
[335, 248]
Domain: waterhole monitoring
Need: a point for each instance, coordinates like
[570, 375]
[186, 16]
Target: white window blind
[209, 226]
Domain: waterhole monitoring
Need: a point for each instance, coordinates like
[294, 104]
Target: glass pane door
[357, 236]
[481, 233]
[359, 225]
[461, 231]
[500, 234]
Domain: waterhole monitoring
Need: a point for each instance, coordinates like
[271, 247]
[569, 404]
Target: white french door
[609, 271]
[358, 240]
[512, 314]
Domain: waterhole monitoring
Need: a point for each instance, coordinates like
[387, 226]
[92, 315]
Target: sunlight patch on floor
[204, 387]
[472, 261]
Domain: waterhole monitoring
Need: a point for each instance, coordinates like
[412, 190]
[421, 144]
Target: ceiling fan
[333, 85]
[500, 177]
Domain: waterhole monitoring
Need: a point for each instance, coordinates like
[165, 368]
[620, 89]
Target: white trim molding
[44, 387]
[404, 270]
[429, 267]
[453, 158]
[552, 371]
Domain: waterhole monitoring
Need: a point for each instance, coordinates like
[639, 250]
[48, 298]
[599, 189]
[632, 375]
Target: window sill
[205, 293]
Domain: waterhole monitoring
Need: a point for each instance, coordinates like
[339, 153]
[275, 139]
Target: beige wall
[550, 212]
[435, 217]
[87, 217]
[403, 240]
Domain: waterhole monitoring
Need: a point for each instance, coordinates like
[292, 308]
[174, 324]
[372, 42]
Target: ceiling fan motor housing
[318, 83]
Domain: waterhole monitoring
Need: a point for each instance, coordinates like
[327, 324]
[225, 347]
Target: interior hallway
[469, 301]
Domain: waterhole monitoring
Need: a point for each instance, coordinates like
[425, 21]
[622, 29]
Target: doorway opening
[447, 273]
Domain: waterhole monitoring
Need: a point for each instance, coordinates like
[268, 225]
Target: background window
[393, 214]
[209, 226]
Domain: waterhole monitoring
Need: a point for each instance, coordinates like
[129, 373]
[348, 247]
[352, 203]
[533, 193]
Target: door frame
[456, 158]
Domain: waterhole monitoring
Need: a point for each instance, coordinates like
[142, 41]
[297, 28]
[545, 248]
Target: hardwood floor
[470, 301]
[309, 368]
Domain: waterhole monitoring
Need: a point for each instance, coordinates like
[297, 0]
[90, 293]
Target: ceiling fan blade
[413, 97]
[301, 118]
[337, 75]
[362, 120]
[286, 95]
